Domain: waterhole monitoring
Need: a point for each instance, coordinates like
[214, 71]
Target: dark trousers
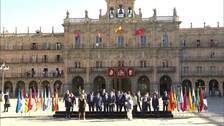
[91, 107]
[146, 106]
[156, 108]
[139, 105]
[6, 107]
[135, 108]
[111, 108]
[105, 107]
[117, 106]
[165, 107]
[68, 112]
[98, 108]
[125, 108]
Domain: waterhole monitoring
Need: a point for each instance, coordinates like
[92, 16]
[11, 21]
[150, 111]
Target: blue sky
[48, 13]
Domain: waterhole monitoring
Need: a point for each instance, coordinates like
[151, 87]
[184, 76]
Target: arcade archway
[46, 87]
[144, 84]
[77, 85]
[19, 86]
[8, 87]
[99, 84]
[165, 84]
[186, 86]
[121, 84]
[57, 87]
[200, 84]
[214, 87]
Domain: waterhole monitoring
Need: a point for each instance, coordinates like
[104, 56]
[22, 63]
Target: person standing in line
[155, 102]
[98, 102]
[129, 108]
[105, 102]
[68, 104]
[112, 100]
[7, 103]
[135, 103]
[73, 100]
[90, 101]
[165, 99]
[82, 106]
[139, 100]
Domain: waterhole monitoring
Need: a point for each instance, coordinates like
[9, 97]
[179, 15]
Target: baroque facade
[120, 50]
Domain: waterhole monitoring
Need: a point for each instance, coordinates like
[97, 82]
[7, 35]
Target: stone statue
[100, 12]
[67, 14]
[140, 12]
[86, 14]
[154, 13]
[174, 12]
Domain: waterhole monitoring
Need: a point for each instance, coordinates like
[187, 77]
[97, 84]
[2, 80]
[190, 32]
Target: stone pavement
[214, 117]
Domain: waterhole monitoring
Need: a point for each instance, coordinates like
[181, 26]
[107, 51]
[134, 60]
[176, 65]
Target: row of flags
[36, 101]
[187, 101]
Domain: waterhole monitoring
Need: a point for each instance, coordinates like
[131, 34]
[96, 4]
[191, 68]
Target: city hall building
[120, 50]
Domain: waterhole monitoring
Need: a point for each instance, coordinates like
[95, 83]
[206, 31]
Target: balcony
[76, 70]
[169, 69]
[27, 75]
[203, 45]
[99, 70]
[31, 48]
[209, 73]
[34, 61]
[144, 69]
[203, 59]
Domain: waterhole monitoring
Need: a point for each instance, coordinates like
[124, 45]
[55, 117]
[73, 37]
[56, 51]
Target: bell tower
[120, 8]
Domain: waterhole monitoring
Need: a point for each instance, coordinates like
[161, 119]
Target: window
[77, 41]
[34, 59]
[58, 46]
[46, 46]
[98, 41]
[130, 12]
[77, 65]
[120, 63]
[111, 12]
[120, 41]
[143, 64]
[186, 69]
[58, 58]
[32, 72]
[198, 43]
[45, 58]
[143, 41]
[183, 43]
[45, 72]
[99, 64]
[199, 69]
[165, 63]
[34, 46]
[212, 54]
[165, 39]
[212, 68]
[120, 11]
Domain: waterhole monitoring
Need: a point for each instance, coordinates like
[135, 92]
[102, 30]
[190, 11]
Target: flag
[49, 100]
[178, 99]
[198, 99]
[193, 100]
[45, 105]
[38, 103]
[171, 102]
[174, 98]
[185, 101]
[201, 99]
[182, 101]
[56, 107]
[140, 32]
[30, 101]
[22, 108]
[190, 101]
[18, 106]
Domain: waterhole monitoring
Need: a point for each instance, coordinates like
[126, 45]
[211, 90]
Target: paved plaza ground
[214, 117]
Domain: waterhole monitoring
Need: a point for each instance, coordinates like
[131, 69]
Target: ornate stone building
[120, 50]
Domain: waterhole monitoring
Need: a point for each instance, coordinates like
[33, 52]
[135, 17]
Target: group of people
[114, 101]
[6, 101]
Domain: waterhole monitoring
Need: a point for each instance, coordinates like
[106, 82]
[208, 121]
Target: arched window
[120, 41]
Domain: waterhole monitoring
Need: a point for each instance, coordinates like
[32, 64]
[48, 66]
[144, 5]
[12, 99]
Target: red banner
[131, 72]
[121, 72]
[111, 72]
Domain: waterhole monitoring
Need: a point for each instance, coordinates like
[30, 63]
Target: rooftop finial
[86, 14]
[204, 24]
[67, 14]
[52, 30]
[154, 12]
[174, 12]
[217, 24]
[28, 30]
[191, 24]
[140, 12]
[15, 30]
[100, 12]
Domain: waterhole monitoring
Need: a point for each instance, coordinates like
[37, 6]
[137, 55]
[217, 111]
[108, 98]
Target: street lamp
[3, 68]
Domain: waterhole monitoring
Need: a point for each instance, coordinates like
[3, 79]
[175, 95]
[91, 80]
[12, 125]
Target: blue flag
[18, 106]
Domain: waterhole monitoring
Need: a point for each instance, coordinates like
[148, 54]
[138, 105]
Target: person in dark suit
[155, 102]
[139, 100]
[82, 106]
[7, 103]
[146, 103]
[118, 100]
[165, 99]
[98, 102]
[112, 100]
[105, 102]
[68, 104]
[122, 101]
[90, 101]
[73, 100]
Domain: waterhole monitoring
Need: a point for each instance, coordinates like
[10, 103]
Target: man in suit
[112, 100]
[68, 104]
[165, 99]
[98, 102]
[105, 102]
[90, 101]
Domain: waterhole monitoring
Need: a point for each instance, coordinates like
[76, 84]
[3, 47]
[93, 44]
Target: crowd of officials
[114, 101]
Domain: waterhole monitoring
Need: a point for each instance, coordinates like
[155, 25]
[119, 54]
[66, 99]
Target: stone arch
[186, 86]
[77, 85]
[200, 83]
[99, 84]
[34, 86]
[46, 86]
[213, 87]
[58, 87]
[144, 84]
[19, 85]
[8, 87]
[165, 84]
